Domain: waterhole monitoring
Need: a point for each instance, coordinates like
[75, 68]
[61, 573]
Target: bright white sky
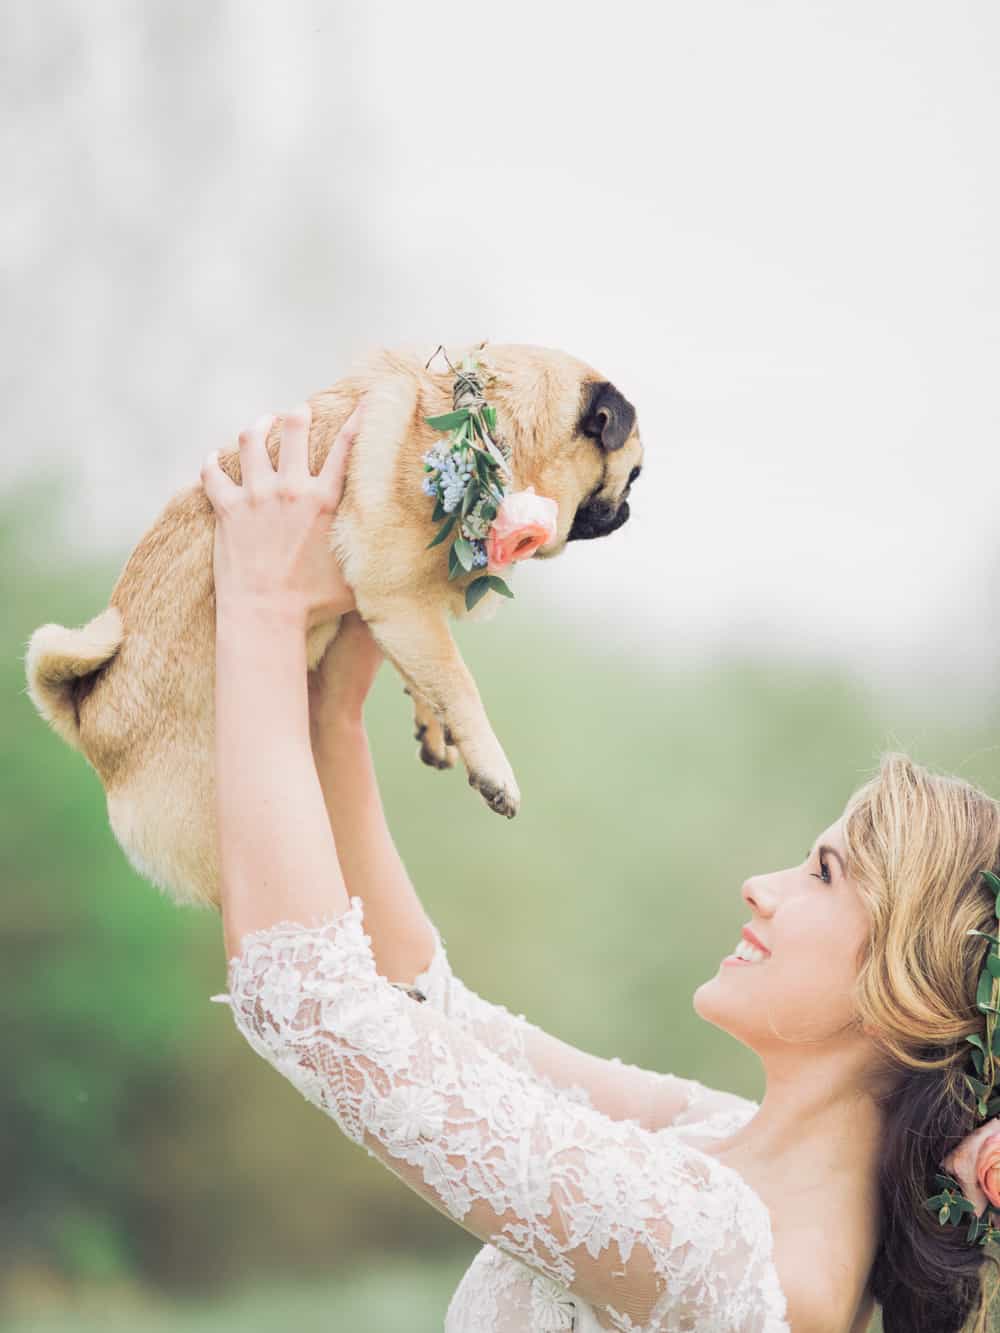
[773, 226]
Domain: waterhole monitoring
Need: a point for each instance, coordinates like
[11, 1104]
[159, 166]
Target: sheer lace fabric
[589, 1221]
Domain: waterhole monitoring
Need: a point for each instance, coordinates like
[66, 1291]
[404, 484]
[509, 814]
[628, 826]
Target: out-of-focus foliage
[145, 1148]
[394, 1295]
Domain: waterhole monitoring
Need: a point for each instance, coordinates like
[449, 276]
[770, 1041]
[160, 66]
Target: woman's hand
[272, 546]
[340, 684]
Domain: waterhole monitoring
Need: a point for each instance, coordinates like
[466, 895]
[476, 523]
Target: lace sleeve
[635, 1224]
[622, 1091]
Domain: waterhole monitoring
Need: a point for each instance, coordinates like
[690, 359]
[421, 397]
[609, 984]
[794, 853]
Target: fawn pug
[133, 689]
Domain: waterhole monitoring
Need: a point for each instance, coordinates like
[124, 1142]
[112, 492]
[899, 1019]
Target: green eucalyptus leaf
[979, 1088]
[490, 416]
[946, 1182]
[973, 1229]
[993, 882]
[439, 511]
[482, 585]
[476, 591]
[454, 564]
[498, 585]
[445, 529]
[993, 1106]
[450, 419]
[464, 551]
[993, 964]
[485, 467]
[469, 499]
[489, 512]
[943, 1215]
[975, 1040]
[977, 1061]
[984, 991]
[982, 1109]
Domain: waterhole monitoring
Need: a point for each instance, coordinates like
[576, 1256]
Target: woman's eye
[824, 874]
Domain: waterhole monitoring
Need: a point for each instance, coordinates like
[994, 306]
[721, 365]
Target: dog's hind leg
[420, 645]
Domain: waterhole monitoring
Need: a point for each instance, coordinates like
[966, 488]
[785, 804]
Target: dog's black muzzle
[597, 520]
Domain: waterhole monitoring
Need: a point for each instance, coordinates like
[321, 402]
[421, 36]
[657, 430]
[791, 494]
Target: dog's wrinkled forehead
[606, 415]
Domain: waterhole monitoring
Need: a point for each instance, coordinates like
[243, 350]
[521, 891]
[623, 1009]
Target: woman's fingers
[334, 468]
[293, 458]
[219, 488]
[255, 462]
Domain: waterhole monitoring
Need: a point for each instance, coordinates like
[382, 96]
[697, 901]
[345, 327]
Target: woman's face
[813, 921]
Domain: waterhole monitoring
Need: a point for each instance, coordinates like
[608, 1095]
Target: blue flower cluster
[479, 557]
[453, 477]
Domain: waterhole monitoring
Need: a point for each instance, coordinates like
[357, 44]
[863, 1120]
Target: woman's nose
[757, 894]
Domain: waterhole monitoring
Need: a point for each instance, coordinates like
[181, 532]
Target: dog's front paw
[503, 797]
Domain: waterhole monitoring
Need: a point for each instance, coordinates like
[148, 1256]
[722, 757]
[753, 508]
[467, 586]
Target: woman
[609, 1197]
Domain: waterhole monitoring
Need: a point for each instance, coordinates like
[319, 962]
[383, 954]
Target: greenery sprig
[468, 473]
[951, 1204]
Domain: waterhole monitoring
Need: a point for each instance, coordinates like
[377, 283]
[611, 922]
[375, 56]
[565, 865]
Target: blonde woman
[607, 1196]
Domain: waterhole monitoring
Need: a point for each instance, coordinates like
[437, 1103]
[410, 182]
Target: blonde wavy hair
[917, 844]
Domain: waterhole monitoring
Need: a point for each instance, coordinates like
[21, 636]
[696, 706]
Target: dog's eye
[633, 474]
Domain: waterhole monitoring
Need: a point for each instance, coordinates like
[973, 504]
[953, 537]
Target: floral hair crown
[468, 474]
[951, 1204]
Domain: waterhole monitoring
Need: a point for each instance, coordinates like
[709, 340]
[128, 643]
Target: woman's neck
[817, 1121]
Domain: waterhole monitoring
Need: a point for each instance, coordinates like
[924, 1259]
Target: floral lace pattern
[589, 1222]
[623, 1091]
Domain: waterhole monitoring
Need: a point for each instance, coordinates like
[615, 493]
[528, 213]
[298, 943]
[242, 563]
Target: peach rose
[988, 1168]
[524, 522]
[975, 1164]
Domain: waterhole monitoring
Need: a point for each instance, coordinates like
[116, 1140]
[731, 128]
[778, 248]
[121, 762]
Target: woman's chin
[710, 1004]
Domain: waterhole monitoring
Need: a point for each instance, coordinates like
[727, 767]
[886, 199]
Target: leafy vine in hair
[951, 1204]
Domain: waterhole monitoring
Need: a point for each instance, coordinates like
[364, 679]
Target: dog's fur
[133, 689]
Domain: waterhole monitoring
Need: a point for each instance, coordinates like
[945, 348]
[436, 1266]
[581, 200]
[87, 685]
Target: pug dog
[133, 689]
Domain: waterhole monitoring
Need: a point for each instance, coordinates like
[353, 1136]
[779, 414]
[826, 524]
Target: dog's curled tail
[59, 659]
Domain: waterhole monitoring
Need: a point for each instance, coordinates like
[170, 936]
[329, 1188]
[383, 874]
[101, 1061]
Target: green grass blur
[158, 1176]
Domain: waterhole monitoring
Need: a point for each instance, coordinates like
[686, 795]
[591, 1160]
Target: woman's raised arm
[639, 1226]
[407, 946]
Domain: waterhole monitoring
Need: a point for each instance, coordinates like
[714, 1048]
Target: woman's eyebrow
[833, 852]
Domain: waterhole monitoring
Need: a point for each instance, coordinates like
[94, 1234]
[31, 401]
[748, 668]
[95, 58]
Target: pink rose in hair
[524, 522]
[988, 1168]
[975, 1164]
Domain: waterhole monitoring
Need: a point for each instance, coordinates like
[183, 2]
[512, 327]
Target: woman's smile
[749, 950]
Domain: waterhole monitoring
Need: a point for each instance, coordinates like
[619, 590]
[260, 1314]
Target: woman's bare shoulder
[718, 1106]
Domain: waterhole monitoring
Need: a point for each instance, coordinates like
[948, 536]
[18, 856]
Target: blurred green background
[157, 1175]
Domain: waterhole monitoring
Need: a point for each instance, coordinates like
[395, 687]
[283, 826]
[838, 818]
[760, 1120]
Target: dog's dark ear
[607, 416]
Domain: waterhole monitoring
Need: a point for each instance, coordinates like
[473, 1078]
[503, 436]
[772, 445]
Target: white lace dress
[574, 1170]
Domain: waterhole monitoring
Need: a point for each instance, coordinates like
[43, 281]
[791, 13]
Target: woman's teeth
[747, 951]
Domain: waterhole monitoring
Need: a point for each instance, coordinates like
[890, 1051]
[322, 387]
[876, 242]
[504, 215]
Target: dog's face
[574, 436]
[591, 473]
[608, 419]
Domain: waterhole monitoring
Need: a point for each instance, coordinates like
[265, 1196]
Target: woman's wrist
[333, 719]
[270, 614]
